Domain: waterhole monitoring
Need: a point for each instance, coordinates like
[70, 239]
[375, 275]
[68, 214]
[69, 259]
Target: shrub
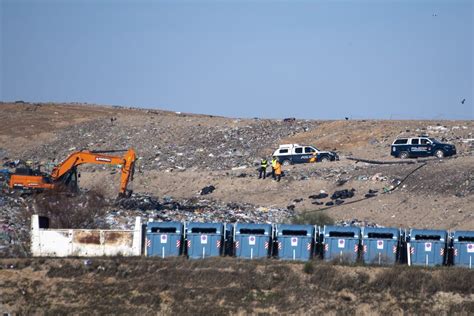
[313, 218]
[308, 267]
[70, 210]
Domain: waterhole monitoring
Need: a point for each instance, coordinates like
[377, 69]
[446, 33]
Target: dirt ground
[227, 286]
[27, 125]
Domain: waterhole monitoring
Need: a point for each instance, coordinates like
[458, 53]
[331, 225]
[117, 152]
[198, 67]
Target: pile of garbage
[357, 223]
[14, 227]
[182, 143]
[121, 215]
[337, 198]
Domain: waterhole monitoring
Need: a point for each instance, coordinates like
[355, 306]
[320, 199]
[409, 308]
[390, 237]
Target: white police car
[293, 153]
[422, 146]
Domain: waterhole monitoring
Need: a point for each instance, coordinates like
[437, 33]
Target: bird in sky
[463, 100]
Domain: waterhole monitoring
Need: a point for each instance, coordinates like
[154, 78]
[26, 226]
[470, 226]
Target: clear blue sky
[305, 59]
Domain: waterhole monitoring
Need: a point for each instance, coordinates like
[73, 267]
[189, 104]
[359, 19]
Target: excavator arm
[66, 170]
[83, 157]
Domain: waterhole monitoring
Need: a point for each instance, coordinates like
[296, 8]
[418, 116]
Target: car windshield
[435, 140]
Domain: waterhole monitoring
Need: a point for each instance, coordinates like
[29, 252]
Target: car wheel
[286, 162]
[403, 155]
[439, 153]
[324, 159]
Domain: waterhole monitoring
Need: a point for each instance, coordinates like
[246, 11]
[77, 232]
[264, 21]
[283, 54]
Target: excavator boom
[64, 169]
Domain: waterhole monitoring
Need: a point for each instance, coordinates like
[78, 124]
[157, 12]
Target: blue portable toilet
[204, 239]
[380, 245]
[341, 243]
[463, 249]
[428, 247]
[295, 242]
[164, 239]
[252, 240]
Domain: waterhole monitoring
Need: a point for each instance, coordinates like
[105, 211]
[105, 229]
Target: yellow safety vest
[274, 161]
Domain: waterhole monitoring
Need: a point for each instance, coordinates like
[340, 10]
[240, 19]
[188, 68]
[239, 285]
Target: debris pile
[358, 223]
[343, 194]
[14, 227]
[337, 198]
[207, 190]
[121, 214]
[163, 145]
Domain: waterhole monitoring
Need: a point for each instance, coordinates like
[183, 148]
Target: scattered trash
[378, 177]
[239, 167]
[207, 190]
[437, 128]
[341, 182]
[358, 223]
[319, 196]
[343, 194]
[218, 147]
[141, 202]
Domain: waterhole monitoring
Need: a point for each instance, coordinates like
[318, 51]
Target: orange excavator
[65, 173]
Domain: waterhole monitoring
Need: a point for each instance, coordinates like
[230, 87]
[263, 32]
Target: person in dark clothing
[263, 168]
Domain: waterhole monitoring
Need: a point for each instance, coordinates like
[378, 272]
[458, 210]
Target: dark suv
[421, 147]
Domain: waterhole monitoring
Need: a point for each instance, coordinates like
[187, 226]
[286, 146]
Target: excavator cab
[69, 180]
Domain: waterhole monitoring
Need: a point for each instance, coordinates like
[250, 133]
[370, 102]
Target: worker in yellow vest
[263, 168]
[274, 161]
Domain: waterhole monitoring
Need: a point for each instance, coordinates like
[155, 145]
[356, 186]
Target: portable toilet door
[252, 241]
[380, 245]
[463, 249]
[164, 239]
[428, 247]
[341, 243]
[295, 242]
[228, 239]
[204, 239]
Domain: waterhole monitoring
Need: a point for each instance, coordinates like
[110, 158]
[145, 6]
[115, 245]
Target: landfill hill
[180, 153]
[175, 140]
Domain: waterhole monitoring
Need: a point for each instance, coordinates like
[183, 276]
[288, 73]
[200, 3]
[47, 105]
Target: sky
[406, 59]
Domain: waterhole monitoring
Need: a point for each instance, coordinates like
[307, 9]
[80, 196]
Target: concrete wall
[85, 242]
